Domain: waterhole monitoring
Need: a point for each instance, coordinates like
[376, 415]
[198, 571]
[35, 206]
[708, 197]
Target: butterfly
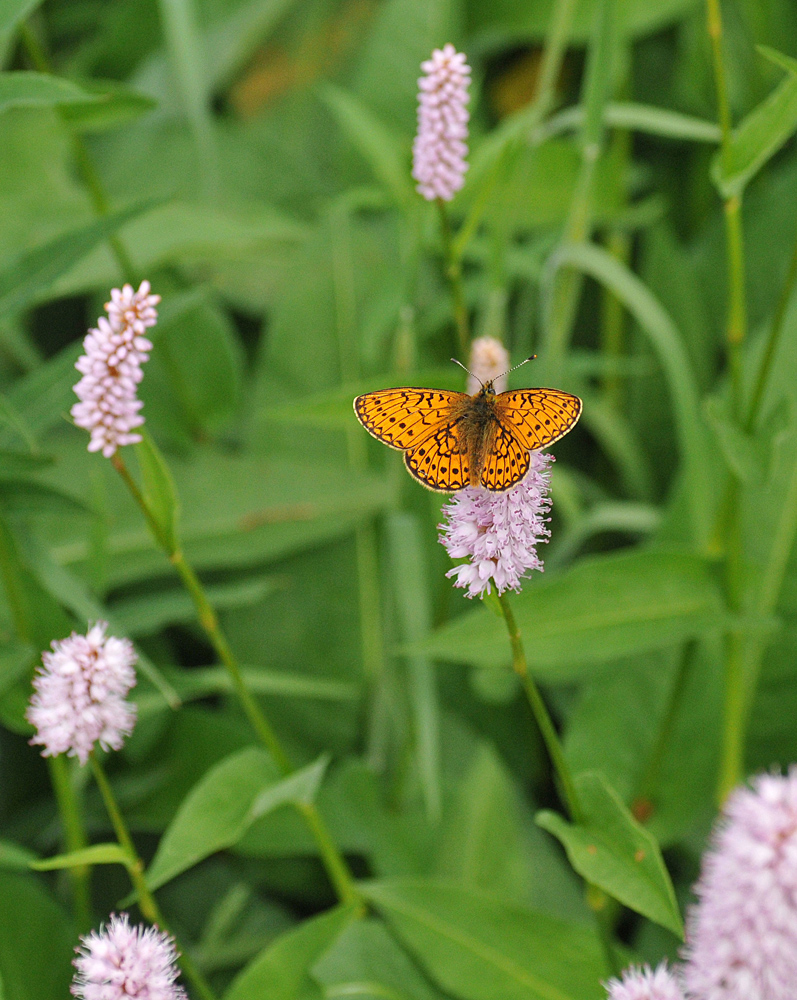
[452, 440]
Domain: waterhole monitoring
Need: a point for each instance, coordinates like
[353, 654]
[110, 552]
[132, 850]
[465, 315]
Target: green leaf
[36, 941]
[16, 659]
[281, 971]
[21, 88]
[600, 609]
[159, 490]
[613, 851]
[97, 854]
[756, 139]
[778, 58]
[477, 948]
[14, 856]
[14, 11]
[383, 151]
[30, 277]
[115, 104]
[639, 118]
[740, 451]
[223, 805]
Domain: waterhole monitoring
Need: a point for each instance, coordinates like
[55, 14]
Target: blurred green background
[252, 161]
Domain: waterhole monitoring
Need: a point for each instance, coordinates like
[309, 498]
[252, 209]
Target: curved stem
[334, 862]
[135, 867]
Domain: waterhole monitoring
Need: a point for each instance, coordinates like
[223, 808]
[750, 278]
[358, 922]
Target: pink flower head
[742, 934]
[498, 532]
[111, 369]
[119, 962]
[489, 359]
[439, 151]
[643, 984]
[80, 694]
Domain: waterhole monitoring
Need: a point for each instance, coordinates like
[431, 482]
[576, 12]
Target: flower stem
[541, 714]
[333, 860]
[74, 837]
[453, 266]
[135, 867]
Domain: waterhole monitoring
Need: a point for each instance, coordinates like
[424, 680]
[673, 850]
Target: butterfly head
[487, 390]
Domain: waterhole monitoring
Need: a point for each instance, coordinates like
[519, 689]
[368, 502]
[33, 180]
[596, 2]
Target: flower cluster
[742, 935]
[111, 369]
[644, 984]
[80, 694]
[439, 151]
[498, 532]
[119, 961]
[489, 359]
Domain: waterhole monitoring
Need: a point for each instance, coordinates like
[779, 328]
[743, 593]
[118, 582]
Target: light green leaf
[638, 118]
[281, 972]
[115, 104]
[602, 608]
[778, 58]
[756, 139]
[22, 88]
[741, 453]
[14, 11]
[30, 277]
[14, 857]
[97, 854]
[159, 491]
[222, 806]
[613, 851]
[477, 948]
[383, 151]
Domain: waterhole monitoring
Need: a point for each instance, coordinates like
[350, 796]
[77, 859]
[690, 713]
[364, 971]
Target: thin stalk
[734, 718]
[75, 838]
[772, 343]
[135, 867]
[597, 900]
[85, 165]
[453, 265]
[333, 860]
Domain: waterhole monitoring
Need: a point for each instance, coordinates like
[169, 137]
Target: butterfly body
[452, 440]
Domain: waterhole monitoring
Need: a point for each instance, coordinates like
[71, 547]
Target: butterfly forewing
[538, 417]
[403, 418]
[506, 461]
[438, 462]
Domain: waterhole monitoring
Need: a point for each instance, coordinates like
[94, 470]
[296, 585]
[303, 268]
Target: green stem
[541, 715]
[453, 265]
[333, 860]
[75, 838]
[85, 165]
[734, 717]
[135, 868]
[597, 900]
[773, 340]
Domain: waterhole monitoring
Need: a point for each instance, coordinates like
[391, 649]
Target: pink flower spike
[742, 934]
[498, 532]
[643, 984]
[489, 359]
[119, 961]
[111, 370]
[80, 694]
[439, 151]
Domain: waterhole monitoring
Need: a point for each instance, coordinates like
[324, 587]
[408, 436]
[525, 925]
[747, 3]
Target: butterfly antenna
[468, 371]
[514, 367]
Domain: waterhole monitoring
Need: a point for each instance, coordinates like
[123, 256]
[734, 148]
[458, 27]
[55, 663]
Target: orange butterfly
[451, 439]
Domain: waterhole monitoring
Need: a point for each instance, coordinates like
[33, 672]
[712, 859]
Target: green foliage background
[251, 159]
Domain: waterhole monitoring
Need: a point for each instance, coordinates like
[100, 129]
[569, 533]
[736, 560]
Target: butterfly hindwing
[437, 463]
[506, 461]
[403, 418]
[538, 417]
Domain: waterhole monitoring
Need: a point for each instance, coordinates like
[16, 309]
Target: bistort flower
[742, 934]
[439, 151]
[111, 369]
[119, 962]
[489, 359]
[645, 984]
[498, 532]
[80, 693]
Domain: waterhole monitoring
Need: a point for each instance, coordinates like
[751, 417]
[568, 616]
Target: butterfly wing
[538, 417]
[437, 462]
[403, 418]
[506, 461]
